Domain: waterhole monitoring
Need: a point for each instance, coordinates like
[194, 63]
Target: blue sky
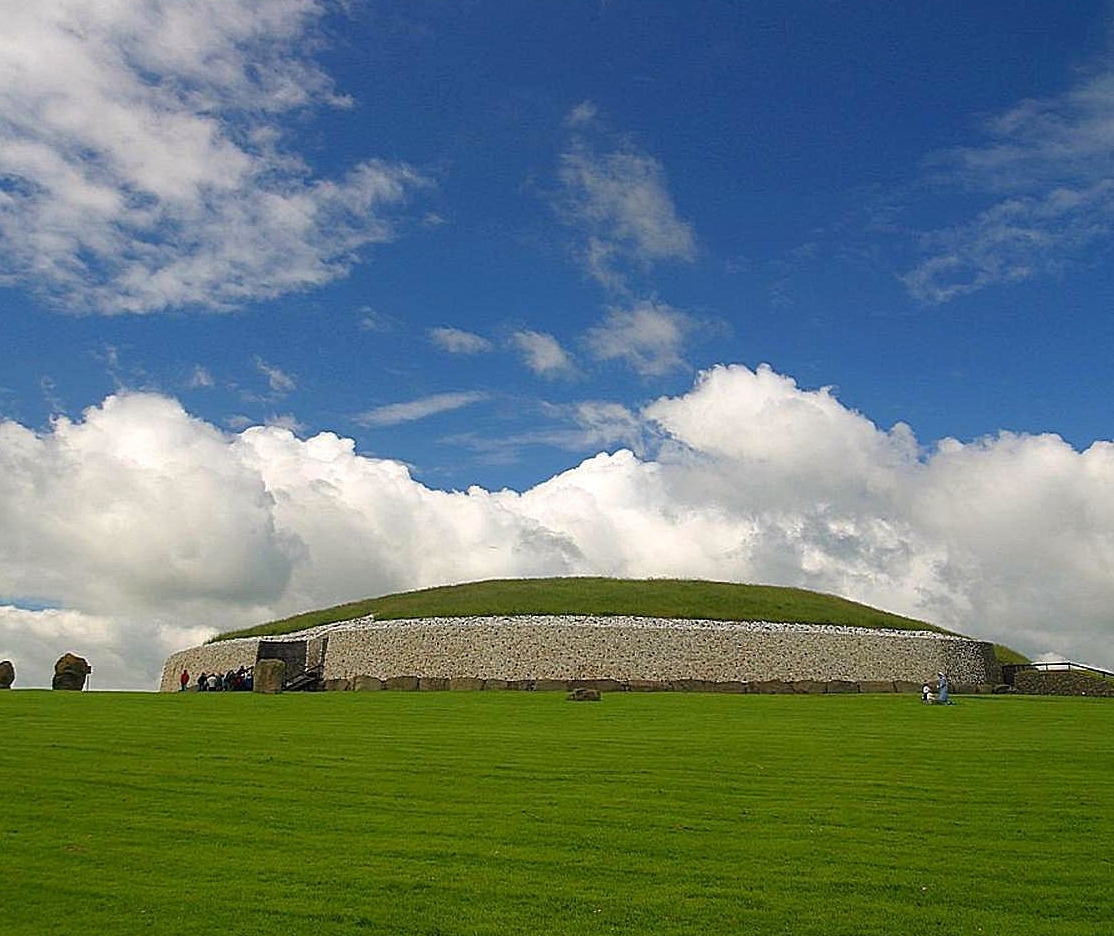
[487, 241]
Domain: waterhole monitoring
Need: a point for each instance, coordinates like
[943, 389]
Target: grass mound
[662, 598]
[497, 814]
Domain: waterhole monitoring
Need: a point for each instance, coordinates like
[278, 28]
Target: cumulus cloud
[458, 341]
[392, 414]
[649, 337]
[618, 197]
[142, 529]
[142, 164]
[1045, 180]
[543, 354]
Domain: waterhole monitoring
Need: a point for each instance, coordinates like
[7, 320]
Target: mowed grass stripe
[518, 812]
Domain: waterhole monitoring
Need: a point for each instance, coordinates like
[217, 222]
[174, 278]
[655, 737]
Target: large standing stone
[70, 673]
[268, 676]
[7, 674]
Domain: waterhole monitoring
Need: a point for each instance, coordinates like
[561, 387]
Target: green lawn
[505, 813]
[663, 598]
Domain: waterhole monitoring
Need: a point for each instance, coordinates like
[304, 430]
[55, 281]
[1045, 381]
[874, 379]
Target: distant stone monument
[268, 676]
[7, 674]
[70, 672]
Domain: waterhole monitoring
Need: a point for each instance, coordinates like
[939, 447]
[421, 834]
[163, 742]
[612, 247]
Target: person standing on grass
[942, 689]
[184, 680]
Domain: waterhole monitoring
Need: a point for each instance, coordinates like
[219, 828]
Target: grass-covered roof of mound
[660, 598]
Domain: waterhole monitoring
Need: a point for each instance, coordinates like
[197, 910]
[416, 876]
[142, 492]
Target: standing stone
[70, 673]
[7, 674]
[268, 676]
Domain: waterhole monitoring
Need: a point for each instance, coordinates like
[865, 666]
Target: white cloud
[278, 380]
[394, 413]
[287, 421]
[143, 162]
[148, 529]
[458, 341]
[649, 337]
[1044, 180]
[201, 378]
[543, 354]
[620, 200]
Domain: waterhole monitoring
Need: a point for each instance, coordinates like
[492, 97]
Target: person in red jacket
[184, 679]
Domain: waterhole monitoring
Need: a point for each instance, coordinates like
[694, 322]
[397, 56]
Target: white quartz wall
[624, 648]
[620, 648]
[217, 657]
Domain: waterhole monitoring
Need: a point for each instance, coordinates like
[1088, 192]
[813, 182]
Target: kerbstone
[268, 676]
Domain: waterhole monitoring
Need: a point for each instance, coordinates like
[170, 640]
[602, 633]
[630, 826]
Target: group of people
[940, 696]
[233, 681]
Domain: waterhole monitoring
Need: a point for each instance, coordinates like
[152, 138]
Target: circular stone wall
[558, 647]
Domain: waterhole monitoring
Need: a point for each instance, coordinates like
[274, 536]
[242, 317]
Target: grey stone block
[772, 687]
[876, 685]
[466, 683]
[834, 686]
[809, 687]
[433, 683]
[403, 683]
[267, 676]
[495, 684]
[339, 684]
[367, 684]
[551, 685]
[647, 685]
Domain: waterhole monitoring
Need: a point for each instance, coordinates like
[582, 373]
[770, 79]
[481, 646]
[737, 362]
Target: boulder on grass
[584, 695]
[70, 673]
[433, 683]
[7, 674]
[808, 687]
[340, 684]
[466, 683]
[268, 676]
[367, 684]
[402, 683]
[841, 685]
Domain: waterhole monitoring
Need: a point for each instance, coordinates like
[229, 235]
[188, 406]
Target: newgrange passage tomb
[552, 633]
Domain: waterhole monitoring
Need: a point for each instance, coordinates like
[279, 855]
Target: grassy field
[664, 598]
[505, 813]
